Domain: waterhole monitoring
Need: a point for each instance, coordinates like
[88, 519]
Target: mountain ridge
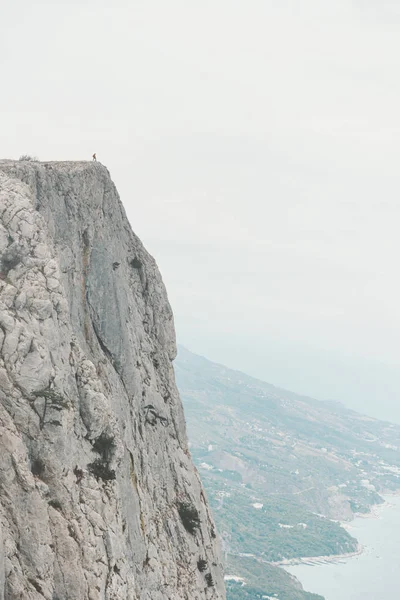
[182, 350]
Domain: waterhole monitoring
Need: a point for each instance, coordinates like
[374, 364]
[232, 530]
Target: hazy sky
[256, 147]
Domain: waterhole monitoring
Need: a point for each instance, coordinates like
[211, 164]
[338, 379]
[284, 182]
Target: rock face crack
[84, 317]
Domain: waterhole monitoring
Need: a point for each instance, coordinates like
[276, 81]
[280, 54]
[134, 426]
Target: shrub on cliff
[104, 445]
[101, 470]
[27, 157]
[189, 516]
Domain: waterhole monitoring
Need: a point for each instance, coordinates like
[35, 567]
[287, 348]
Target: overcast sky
[256, 147]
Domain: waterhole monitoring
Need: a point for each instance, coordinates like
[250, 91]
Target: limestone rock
[99, 498]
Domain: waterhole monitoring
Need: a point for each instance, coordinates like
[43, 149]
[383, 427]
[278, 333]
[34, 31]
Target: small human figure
[94, 157]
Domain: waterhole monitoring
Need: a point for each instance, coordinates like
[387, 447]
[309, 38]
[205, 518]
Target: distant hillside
[280, 469]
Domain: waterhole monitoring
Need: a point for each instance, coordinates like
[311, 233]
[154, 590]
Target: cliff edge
[99, 498]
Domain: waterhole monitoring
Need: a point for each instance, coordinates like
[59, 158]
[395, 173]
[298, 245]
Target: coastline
[311, 561]
[318, 560]
[370, 576]
[374, 513]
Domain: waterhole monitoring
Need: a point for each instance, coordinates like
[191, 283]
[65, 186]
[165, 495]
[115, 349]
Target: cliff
[99, 498]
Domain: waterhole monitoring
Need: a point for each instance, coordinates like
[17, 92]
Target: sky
[256, 148]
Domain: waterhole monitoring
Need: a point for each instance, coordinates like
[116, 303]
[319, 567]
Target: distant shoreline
[313, 561]
[336, 558]
[318, 560]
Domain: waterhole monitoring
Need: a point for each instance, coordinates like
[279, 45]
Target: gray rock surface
[95, 486]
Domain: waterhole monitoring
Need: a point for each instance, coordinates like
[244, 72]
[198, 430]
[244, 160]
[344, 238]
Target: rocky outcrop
[99, 498]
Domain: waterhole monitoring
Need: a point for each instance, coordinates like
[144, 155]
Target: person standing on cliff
[95, 157]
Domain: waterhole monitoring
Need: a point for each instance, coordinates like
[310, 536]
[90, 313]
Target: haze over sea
[371, 576]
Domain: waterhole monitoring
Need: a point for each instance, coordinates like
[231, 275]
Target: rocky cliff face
[99, 498]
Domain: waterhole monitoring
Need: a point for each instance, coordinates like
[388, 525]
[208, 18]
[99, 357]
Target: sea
[372, 575]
